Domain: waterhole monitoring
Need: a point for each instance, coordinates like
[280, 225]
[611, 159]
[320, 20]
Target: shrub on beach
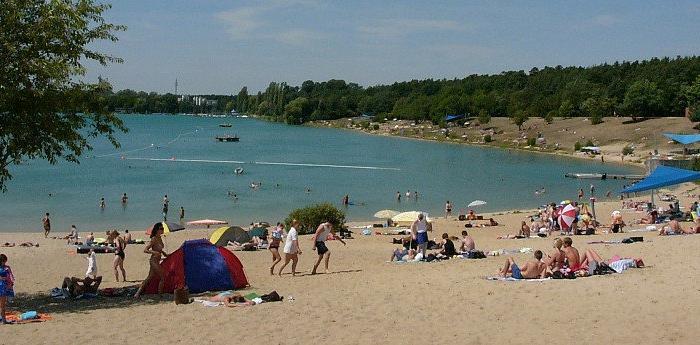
[311, 216]
[487, 138]
[375, 126]
[590, 143]
[577, 146]
[627, 150]
[532, 142]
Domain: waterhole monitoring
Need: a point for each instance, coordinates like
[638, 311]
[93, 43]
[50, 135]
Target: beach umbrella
[565, 202]
[207, 222]
[477, 203]
[167, 227]
[259, 231]
[567, 216]
[386, 214]
[409, 216]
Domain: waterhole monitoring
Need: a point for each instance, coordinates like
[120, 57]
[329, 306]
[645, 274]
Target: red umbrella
[567, 216]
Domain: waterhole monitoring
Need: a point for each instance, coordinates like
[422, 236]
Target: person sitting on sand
[617, 223]
[572, 257]
[532, 269]
[524, 230]
[448, 248]
[492, 222]
[90, 239]
[127, 237]
[398, 254]
[73, 235]
[471, 215]
[650, 217]
[555, 259]
[466, 243]
[77, 287]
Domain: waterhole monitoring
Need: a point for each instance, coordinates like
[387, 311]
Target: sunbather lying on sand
[230, 299]
[402, 254]
[674, 228]
[76, 286]
[23, 244]
[532, 269]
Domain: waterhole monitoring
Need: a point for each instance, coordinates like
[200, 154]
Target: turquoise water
[373, 169]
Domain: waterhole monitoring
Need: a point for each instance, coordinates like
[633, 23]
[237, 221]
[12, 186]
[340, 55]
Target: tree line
[651, 88]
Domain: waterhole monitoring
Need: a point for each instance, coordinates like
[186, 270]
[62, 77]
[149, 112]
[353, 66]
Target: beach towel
[16, 318]
[511, 279]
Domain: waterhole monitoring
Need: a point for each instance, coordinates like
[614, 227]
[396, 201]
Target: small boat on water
[225, 125]
[238, 171]
[227, 138]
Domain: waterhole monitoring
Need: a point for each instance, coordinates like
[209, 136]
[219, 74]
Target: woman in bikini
[118, 263]
[274, 246]
[155, 248]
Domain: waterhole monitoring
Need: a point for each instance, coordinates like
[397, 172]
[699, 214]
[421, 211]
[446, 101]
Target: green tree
[597, 108]
[310, 217]
[643, 98]
[566, 109]
[691, 96]
[519, 118]
[295, 111]
[484, 117]
[241, 104]
[46, 111]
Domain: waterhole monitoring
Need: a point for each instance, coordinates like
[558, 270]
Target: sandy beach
[365, 299]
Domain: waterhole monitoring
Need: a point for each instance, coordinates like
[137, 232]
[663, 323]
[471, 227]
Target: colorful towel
[17, 318]
[511, 279]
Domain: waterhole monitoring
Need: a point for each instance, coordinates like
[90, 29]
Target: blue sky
[220, 46]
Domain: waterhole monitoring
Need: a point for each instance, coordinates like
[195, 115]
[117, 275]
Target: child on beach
[7, 281]
[92, 264]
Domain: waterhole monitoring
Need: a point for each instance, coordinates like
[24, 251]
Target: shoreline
[557, 153]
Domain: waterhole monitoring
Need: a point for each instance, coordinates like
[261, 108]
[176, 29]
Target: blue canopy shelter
[452, 117]
[663, 176]
[684, 139]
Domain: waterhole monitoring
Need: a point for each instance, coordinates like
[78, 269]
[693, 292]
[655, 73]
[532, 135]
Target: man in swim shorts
[322, 233]
[532, 269]
[419, 233]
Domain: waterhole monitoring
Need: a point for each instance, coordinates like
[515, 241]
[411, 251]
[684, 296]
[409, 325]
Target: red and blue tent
[200, 266]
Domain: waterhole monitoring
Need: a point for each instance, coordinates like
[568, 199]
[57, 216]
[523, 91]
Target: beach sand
[367, 300]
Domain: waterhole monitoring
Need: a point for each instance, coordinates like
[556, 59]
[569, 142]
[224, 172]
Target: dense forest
[656, 87]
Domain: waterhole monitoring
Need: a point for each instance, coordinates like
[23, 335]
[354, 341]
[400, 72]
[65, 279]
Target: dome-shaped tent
[201, 266]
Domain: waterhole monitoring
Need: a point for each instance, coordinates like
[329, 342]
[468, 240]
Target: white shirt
[323, 236]
[421, 226]
[92, 265]
[290, 246]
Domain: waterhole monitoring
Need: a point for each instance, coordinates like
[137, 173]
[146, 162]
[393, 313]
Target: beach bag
[182, 295]
[462, 217]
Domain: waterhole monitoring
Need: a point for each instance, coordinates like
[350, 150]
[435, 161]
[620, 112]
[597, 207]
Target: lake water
[371, 169]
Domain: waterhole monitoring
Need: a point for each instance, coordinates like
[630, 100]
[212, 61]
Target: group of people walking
[292, 250]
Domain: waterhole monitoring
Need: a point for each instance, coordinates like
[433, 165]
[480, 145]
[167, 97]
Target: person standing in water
[102, 203]
[125, 199]
[46, 222]
[182, 213]
[398, 196]
[319, 239]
